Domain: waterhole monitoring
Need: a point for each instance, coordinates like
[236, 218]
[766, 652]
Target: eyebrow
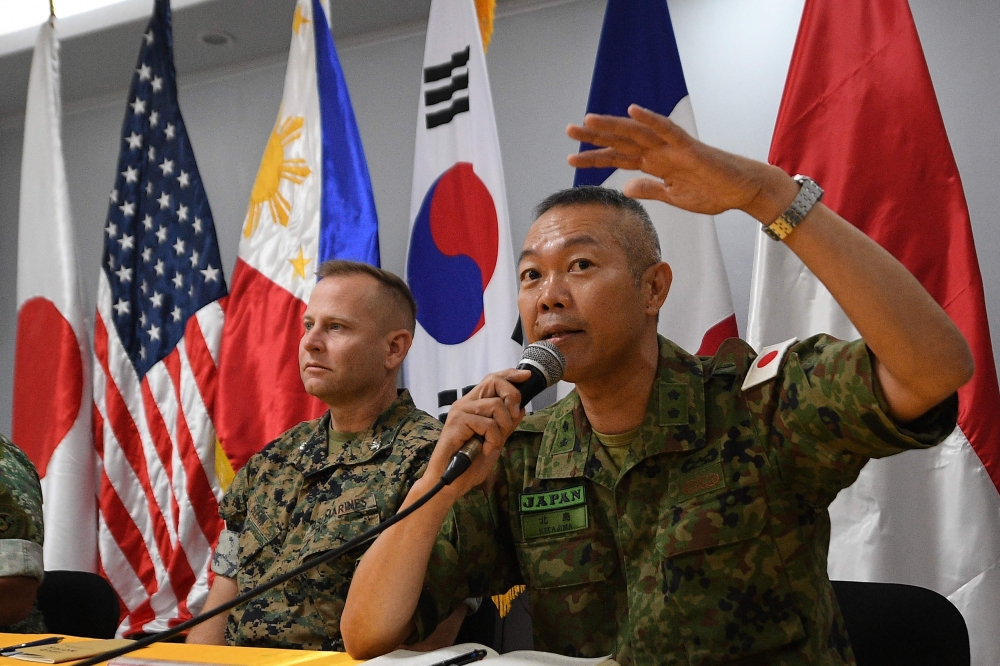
[582, 239]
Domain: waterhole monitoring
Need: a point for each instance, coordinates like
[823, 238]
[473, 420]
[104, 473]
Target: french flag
[638, 62]
[312, 201]
[859, 115]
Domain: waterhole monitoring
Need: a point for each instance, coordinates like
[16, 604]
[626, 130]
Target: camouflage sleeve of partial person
[20, 495]
[830, 416]
[233, 508]
[461, 562]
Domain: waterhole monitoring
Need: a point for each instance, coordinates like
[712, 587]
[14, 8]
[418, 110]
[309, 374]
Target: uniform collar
[675, 421]
[315, 457]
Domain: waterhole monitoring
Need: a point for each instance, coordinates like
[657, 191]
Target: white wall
[735, 54]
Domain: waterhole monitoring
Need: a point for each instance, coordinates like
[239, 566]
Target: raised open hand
[686, 172]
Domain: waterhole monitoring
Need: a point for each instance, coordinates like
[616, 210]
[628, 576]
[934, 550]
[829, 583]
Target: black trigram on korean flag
[446, 398]
[446, 82]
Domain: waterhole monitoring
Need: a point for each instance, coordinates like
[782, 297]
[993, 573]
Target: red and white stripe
[159, 498]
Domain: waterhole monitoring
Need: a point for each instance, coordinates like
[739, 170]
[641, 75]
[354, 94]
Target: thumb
[647, 188]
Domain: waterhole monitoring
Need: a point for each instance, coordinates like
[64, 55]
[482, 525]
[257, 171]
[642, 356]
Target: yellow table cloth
[206, 654]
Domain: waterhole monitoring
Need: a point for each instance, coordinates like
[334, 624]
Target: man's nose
[553, 295]
[311, 339]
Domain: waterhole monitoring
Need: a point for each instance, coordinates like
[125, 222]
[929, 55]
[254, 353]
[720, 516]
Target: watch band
[809, 195]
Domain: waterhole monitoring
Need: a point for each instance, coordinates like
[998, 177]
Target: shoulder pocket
[258, 531]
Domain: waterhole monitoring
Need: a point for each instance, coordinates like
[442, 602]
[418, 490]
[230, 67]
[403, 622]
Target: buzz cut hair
[392, 284]
[633, 231]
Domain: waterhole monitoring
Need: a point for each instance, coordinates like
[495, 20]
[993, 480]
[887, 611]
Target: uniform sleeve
[21, 528]
[233, 508]
[830, 416]
[233, 511]
[461, 562]
[225, 561]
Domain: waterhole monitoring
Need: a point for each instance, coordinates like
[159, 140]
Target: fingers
[492, 409]
[619, 130]
[666, 129]
[604, 157]
[500, 385]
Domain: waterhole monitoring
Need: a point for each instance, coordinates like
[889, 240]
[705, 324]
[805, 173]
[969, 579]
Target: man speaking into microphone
[673, 508]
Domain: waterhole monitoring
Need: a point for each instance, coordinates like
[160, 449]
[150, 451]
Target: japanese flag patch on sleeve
[765, 366]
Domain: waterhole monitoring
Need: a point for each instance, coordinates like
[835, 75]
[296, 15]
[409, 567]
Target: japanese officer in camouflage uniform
[21, 536]
[670, 510]
[327, 480]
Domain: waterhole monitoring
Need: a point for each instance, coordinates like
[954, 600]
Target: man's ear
[397, 345]
[656, 283]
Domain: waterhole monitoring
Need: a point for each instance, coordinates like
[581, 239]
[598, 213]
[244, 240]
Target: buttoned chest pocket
[335, 522]
[722, 570]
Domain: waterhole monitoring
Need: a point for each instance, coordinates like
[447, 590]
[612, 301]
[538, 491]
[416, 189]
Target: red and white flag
[860, 116]
[156, 343]
[52, 361]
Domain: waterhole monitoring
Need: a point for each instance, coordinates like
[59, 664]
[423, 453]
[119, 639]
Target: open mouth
[557, 336]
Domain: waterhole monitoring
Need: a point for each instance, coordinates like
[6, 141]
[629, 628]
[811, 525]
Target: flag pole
[52, 8]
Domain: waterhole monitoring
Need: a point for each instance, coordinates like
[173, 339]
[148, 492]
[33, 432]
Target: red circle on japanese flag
[766, 358]
[48, 380]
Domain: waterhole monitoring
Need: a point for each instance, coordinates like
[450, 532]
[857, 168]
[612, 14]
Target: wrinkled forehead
[565, 228]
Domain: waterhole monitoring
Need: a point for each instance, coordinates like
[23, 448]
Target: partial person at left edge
[21, 537]
[327, 480]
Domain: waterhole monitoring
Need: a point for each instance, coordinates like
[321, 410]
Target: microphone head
[546, 358]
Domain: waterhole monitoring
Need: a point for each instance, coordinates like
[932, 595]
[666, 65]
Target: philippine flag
[638, 62]
[460, 264]
[312, 201]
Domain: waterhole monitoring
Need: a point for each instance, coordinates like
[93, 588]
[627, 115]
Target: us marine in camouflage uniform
[327, 480]
[673, 509]
[21, 537]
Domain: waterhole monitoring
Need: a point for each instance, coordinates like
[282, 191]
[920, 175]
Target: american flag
[156, 341]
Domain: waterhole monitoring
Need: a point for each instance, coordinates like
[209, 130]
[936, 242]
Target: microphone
[546, 364]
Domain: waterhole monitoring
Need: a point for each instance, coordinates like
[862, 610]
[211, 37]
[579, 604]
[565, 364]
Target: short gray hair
[634, 231]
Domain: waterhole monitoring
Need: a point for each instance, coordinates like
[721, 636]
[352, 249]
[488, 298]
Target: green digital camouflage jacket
[294, 500]
[21, 527]
[710, 544]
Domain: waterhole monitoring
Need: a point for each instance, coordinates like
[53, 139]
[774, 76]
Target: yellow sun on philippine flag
[274, 168]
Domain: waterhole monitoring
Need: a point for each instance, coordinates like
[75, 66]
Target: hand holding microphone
[546, 364]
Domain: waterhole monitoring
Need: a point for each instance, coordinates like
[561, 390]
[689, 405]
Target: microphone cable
[264, 587]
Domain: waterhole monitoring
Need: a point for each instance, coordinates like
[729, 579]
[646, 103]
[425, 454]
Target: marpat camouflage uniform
[296, 499]
[21, 527]
[710, 545]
